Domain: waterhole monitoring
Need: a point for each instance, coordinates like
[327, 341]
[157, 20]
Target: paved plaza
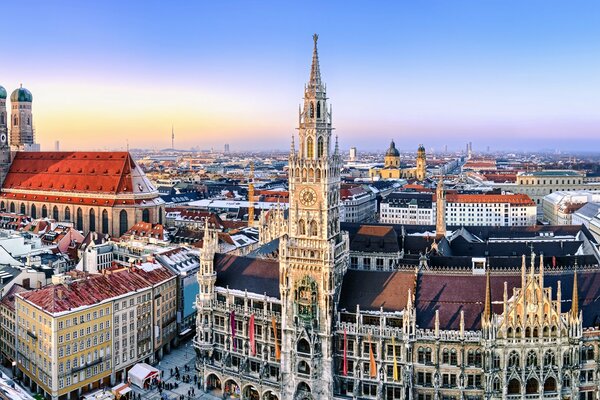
[182, 356]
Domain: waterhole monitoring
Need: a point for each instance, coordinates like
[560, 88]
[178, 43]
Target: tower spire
[487, 310]
[575, 305]
[315, 72]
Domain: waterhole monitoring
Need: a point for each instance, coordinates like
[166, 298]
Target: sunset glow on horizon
[106, 74]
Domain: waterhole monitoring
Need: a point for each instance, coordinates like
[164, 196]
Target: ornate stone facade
[323, 322]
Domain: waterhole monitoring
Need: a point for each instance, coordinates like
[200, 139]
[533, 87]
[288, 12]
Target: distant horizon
[512, 75]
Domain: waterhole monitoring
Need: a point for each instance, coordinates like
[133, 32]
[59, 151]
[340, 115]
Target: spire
[523, 267]
[487, 310]
[292, 146]
[315, 72]
[575, 305]
[337, 146]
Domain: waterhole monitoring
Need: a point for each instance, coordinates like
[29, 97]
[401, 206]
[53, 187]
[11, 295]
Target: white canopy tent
[142, 374]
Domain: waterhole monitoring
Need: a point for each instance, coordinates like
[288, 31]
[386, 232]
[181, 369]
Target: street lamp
[14, 368]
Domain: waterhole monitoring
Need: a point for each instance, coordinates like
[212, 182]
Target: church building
[105, 192]
[393, 170]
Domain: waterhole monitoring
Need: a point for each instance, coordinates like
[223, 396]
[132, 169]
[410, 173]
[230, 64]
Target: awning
[185, 332]
[140, 373]
[125, 391]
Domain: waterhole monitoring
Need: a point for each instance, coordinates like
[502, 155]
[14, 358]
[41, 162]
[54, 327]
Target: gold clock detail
[308, 197]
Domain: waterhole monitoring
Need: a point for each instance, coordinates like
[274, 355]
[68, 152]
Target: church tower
[421, 164]
[21, 132]
[440, 212]
[314, 253]
[4, 147]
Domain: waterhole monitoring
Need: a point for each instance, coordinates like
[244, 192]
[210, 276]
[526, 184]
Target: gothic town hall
[325, 310]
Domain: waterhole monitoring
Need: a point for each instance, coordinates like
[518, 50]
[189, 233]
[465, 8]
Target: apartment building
[71, 335]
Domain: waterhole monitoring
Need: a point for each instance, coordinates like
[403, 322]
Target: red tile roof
[76, 172]
[514, 199]
[95, 288]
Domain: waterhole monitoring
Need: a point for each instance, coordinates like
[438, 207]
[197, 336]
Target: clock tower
[313, 253]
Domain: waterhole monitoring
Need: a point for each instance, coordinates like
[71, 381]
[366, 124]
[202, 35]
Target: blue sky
[509, 74]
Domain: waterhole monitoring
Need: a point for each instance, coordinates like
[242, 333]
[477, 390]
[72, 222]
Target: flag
[395, 362]
[277, 351]
[554, 261]
[232, 323]
[345, 366]
[251, 335]
[372, 366]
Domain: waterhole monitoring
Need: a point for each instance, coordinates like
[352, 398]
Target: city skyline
[435, 74]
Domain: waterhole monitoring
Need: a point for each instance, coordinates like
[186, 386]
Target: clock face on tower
[308, 197]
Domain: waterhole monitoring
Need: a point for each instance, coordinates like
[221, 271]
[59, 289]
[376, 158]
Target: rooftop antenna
[172, 137]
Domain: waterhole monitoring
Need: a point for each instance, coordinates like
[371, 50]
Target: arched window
[496, 385]
[310, 148]
[303, 367]
[513, 359]
[55, 213]
[303, 346]
[2, 118]
[122, 222]
[160, 215]
[550, 385]
[67, 214]
[15, 122]
[92, 218]
[566, 381]
[312, 110]
[318, 109]
[12, 207]
[314, 231]
[301, 227]
[146, 215]
[79, 221]
[514, 386]
[33, 211]
[104, 221]
[549, 358]
[320, 147]
[23, 209]
[44, 211]
[531, 359]
[532, 386]
[2, 205]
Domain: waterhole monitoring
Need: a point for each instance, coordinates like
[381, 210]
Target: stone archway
[514, 386]
[213, 385]
[250, 393]
[269, 395]
[303, 392]
[550, 385]
[231, 387]
[532, 386]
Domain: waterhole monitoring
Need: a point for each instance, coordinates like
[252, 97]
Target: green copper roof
[21, 94]
[2, 93]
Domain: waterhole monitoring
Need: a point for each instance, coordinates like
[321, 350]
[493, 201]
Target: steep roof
[245, 273]
[77, 172]
[373, 290]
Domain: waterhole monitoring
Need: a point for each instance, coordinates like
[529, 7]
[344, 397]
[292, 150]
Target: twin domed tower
[21, 120]
[21, 127]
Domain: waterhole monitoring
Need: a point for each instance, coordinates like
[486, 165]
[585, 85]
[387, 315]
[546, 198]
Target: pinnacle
[315, 72]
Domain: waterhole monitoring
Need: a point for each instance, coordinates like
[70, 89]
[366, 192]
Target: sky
[507, 74]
